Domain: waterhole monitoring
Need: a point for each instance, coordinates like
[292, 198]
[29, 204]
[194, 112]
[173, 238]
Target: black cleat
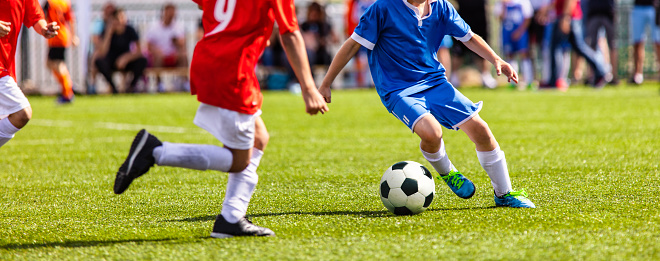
[244, 227]
[138, 162]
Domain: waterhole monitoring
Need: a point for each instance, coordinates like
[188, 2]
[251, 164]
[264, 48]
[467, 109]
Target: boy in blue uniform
[403, 37]
[516, 16]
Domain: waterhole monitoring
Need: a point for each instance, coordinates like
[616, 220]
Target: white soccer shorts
[234, 129]
[12, 98]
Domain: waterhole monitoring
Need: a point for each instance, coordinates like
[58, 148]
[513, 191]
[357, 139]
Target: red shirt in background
[59, 11]
[17, 12]
[577, 11]
[222, 68]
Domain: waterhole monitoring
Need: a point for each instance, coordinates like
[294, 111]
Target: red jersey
[222, 68]
[577, 11]
[17, 12]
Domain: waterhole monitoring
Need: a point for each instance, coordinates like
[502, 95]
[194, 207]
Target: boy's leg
[14, 104]
[240, 187]
[433, 149]
[432, 146]
[493, 161]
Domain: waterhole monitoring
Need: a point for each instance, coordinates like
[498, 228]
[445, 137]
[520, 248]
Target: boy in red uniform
[60, 11]
[13, 104]
[222, 76]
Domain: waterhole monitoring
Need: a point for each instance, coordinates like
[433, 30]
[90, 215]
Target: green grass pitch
[588, 159]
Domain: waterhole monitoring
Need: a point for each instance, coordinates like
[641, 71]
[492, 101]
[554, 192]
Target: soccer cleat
[244, 227]
[459, 184]
[138, 162]
[514, 199]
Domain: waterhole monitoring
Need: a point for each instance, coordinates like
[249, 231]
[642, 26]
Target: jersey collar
[417, 14]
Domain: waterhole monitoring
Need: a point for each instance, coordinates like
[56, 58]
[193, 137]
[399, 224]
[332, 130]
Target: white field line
[117, 126]
[68, 141]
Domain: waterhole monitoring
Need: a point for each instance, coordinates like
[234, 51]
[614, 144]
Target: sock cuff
[7, 130]
[490, 156]
[436, 156]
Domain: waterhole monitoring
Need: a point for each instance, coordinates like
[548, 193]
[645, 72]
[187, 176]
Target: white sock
[439, 160]
[7, 131]
[240, 187]
[494, 163]
[193, 156]
[527, 71]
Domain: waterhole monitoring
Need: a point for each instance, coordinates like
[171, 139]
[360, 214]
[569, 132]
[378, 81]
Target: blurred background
[34, 77]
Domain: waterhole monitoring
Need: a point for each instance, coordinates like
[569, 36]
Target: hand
[314, 102]
[326, 93]
[122, 61]
[503, 67]
[50, 30]
[5, 28]
[75, 41]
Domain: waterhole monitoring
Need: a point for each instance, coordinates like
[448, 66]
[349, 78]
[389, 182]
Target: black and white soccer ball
[407, 188]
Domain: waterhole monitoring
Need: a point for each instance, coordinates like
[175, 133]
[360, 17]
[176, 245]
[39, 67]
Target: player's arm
[566, 17]
[480, 47]
[345, 53]
[47, 30]
[522, 29]
[294, 46]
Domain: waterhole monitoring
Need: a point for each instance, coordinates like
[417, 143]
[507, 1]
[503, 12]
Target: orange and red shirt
[577, 10]
[222, 68]
[60, 11]
[17, 12]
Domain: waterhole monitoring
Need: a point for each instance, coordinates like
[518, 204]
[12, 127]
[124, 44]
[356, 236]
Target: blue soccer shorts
[510, 46]
[449, 106]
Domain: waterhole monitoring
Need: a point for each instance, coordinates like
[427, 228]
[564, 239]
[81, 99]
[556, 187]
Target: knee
[21, 118]
[432, 136]
[239, 165]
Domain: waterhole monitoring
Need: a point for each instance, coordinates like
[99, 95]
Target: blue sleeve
[454, 24]
[367, 31]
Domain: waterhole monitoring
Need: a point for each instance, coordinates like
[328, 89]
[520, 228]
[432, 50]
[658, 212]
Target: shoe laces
[516, 194]
[454, 179]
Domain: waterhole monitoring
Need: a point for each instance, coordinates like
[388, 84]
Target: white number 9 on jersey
[223, 13]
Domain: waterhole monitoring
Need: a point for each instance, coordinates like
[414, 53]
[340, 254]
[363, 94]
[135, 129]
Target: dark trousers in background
[576, 39]
[108, 66]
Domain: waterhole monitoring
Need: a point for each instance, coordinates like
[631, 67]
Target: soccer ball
[407, 188]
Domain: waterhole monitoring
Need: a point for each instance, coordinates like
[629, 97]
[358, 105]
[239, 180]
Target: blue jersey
[515, 13]
[402, 45]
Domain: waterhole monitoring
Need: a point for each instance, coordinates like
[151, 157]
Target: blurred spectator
[317, 33]
[536, 32]
[444, 56]
[600, 18]
[361, 69]
[641, 18]
[98, 27]
[120, 51]
[474, 14]
[59, 11]
[516, 16]
[568, 28]
[166, 46]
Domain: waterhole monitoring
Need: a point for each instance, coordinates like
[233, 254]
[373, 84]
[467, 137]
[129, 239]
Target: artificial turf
[588, 159]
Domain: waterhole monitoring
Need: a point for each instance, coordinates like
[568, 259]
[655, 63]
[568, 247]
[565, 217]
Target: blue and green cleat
[514, 199]
[459, 184]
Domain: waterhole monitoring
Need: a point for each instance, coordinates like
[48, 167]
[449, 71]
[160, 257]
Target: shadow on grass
[92, 243]
[367, 214]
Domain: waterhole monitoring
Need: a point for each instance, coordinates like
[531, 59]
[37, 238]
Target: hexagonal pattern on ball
[397, 198]
[416, 203]
[395, 178]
